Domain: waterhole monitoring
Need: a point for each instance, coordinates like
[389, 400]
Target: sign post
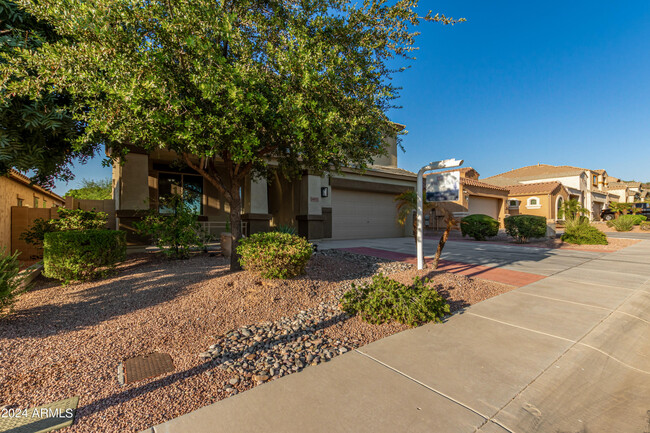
[437, 165]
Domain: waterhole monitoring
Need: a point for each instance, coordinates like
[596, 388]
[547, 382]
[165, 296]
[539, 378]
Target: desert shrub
[383, 300]
[623, 223]
[524, 227]
[638, 219]
[274, 254]
[174, 233]
[69, 219]
[81, 255]
[9, 281]
[479, 226]
[285, 229]
[645, 226]
[584, 234]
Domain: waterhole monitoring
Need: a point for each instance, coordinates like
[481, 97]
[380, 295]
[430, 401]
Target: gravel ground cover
[226, 332]
[603, 227]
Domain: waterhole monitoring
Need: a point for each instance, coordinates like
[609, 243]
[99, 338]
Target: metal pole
[447, 163]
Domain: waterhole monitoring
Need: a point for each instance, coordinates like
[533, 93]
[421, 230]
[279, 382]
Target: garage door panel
[483, 205]
[360, 214]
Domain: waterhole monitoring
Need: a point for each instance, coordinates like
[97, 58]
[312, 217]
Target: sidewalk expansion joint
[561, 300]
[613, 358]
[521, 327]
[440, 393]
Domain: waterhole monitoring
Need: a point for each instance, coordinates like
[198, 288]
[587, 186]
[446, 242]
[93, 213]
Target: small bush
[9, 281]
[638, 219]
[585, 234]
[174, 233]
[623, 223]
[384, 300]
[69, 219]
[645, 226]
[524, 227]
[479, 226]
[274, 254]
[77, 255]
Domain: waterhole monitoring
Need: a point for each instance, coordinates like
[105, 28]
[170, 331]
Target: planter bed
[62, 342]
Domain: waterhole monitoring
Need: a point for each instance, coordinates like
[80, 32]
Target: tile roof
[391, 170]
[27, 181]
[462, 170]
[633, 184]
[473, 182]
[532, 172]
[617, 185]
[534, 188]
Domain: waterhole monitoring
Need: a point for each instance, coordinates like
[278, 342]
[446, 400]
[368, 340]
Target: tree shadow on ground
[265, 344]
[138, 285]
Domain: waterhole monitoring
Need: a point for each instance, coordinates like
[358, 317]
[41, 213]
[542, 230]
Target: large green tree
[92, 190]
[230, 84]
[37, 132]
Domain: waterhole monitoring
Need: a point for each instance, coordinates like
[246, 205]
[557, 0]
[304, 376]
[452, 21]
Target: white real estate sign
[443, 186]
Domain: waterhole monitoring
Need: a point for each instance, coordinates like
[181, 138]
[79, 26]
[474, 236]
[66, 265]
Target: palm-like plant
[407, 204]
[570, 209]
[619, 207]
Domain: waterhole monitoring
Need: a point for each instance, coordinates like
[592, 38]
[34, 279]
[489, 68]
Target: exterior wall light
[324, 191]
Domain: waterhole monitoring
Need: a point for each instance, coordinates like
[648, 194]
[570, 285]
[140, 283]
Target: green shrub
[384, 300]
[524, 227]
[174, 233]
[77, 255]
[638, 219]
[479, 226]
[585, 234]
[274, 254]
[69, 219]
[645, 226]
[623, 223]
[9, 281]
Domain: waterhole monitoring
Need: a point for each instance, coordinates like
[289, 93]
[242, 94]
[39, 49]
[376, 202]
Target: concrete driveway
[541, 261]
[569, 353]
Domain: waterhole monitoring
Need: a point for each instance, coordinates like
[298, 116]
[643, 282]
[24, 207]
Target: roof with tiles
[474, 182]
[534, 188]
[18, 176]
[617, 185]
[532, 172]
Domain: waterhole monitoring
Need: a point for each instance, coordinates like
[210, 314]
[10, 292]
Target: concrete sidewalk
[569, 353]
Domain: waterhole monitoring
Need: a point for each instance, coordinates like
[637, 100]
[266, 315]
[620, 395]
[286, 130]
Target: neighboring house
[622, 190]
[541, 198]
[589, 187]
[475, 197]
[16, 190]
[342, 206]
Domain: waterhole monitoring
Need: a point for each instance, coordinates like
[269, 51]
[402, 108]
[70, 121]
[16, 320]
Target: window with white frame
[533, 203]
[513, 204]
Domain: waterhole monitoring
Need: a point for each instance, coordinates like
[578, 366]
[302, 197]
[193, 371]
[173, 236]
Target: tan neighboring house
[16, 190]
[341, 206]
[541, 199]
[475, 197]
[589, 187]
[629, 192]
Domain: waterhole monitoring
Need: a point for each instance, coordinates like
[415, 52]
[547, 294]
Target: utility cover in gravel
[41, 419]
[146, 366]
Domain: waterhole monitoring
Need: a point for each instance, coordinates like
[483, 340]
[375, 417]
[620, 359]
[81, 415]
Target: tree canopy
[228, 84]
[92, 190]
[36, 133]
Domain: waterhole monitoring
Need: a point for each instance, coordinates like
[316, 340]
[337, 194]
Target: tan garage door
[359, 215]
[484, 205]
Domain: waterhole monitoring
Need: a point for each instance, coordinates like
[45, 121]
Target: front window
[20, 202]
[595, 182]
[35, 202]
[189, 186]
[533, 203]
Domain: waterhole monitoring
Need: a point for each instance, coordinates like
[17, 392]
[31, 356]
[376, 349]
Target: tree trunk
[443, 240]
[235, 226]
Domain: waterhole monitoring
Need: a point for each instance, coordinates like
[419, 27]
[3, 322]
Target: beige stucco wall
[548, 204]
[390, 159]
[134, 182]
[10, 191]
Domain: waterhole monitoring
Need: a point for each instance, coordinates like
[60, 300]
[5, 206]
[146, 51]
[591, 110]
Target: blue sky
[523, 83]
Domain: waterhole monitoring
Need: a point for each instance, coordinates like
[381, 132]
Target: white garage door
[359, 214]
[483, 205]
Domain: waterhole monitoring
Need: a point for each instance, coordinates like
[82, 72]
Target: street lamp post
[437, 165]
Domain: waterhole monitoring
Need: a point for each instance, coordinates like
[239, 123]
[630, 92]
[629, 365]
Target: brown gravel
[603, 227]
[67, 341]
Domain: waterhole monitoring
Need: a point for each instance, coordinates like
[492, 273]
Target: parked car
[644, 209]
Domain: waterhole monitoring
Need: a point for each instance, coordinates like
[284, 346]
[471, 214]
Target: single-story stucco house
[340, 206]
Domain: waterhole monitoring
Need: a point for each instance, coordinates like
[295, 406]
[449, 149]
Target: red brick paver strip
[505, 276]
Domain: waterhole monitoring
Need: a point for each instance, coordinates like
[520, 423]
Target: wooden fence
[22, 219]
